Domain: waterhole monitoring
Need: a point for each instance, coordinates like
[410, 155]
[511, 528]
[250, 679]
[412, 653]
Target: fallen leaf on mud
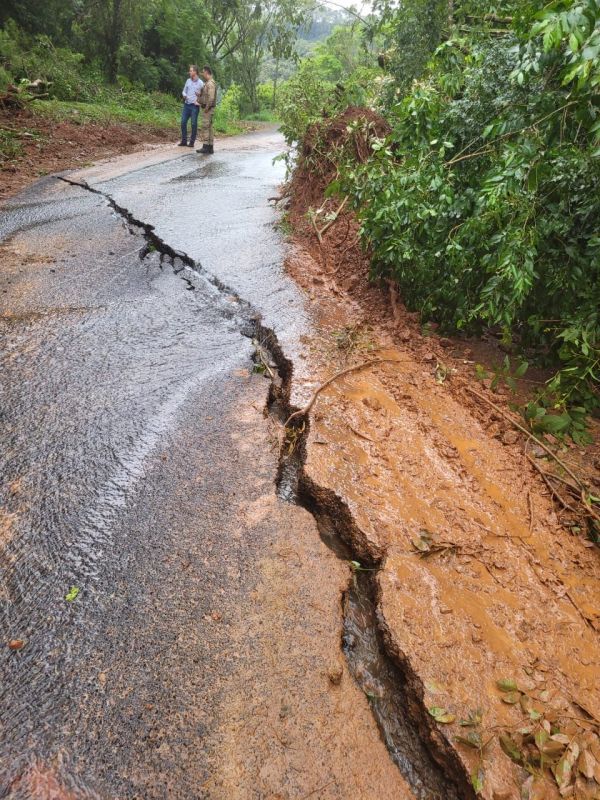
[472, 739]
[536, 787]
[16, 644]
[562, 771]
[72, 594]
[509, 746]
[475, 718]
[441, 715]
[507, 685]
[587, 764]
[422, 542]
[477, 777]
[434, 687]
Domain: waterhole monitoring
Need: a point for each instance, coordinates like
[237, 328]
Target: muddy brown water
[116, 337]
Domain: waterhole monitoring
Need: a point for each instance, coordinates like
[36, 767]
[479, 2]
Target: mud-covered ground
[46, 145]
[486, 588]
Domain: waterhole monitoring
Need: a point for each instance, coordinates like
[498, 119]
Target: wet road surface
[196, 659]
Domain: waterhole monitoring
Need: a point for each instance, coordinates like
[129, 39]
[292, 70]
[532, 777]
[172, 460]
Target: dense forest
[482, 204]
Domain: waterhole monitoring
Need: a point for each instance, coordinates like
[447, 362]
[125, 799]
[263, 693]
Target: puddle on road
[212, 169]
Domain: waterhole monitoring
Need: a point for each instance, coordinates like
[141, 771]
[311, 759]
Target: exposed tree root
[581, 487]
[302, 412]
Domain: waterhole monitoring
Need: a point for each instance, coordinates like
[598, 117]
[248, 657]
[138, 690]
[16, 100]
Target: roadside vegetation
[125, 61]
[481, 202]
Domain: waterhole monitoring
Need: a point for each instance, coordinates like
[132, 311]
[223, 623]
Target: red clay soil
[51, 146]
[345, 264]
[488, 586]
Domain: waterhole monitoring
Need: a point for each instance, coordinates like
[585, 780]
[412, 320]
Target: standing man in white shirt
[191, 90]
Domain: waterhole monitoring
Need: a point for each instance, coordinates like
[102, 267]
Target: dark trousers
[189, 111]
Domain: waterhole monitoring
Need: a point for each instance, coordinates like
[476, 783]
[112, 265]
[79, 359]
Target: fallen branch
[546, 478]
[302, 412]
[317, 231]
[581, 487]
[527, 433]
[530, 505]
[328, 225]
[334, 218]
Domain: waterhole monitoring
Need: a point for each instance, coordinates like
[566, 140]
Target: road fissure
[395, 693]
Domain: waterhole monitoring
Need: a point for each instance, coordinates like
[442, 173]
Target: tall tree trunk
[275, 79]
[115, 35]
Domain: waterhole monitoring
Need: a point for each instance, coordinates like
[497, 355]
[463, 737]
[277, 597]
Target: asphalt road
[199, 654]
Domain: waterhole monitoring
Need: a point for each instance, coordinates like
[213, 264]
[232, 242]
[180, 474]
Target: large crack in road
[430, 771]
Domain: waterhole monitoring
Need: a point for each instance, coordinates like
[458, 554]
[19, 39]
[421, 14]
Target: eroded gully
[385, 678]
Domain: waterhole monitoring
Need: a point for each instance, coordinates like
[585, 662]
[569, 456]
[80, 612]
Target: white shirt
[192, 88]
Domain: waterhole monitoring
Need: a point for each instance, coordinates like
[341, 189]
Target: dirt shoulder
[43, 145]
[487, 592]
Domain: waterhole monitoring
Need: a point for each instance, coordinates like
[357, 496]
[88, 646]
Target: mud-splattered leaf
[441, 715]
[552, 749]
[587, 764]
[507, 685]
[537, 787]
[541, 737]
[511, 698]
[434, 687]
[471, 739]
[509, 746]
[563, 770]
[477, 778]
[422, 542]
[72, 594]
[474, 719]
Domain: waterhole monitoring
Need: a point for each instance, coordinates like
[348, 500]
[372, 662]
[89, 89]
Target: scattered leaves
[441, 715]
[474, 719]
[472, 739]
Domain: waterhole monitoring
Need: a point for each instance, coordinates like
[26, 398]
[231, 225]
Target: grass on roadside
[159, 111]
[11, 143]
[262, 116]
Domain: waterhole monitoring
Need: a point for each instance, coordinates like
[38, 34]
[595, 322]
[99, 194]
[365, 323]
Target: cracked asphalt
[201, 656]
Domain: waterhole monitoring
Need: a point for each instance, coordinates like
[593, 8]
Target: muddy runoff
[428, 765]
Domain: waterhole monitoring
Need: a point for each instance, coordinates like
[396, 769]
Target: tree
[107, 25]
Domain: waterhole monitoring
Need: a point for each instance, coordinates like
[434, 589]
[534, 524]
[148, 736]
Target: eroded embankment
[487, 603]
[424, 760]
[427, 763]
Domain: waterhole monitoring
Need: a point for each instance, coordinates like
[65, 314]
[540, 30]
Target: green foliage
[227, 113]
[28, 58]
[483, 204]
[10, 145]
[302, 101]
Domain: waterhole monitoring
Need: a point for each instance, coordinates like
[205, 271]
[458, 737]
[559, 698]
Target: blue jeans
[189, 111]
